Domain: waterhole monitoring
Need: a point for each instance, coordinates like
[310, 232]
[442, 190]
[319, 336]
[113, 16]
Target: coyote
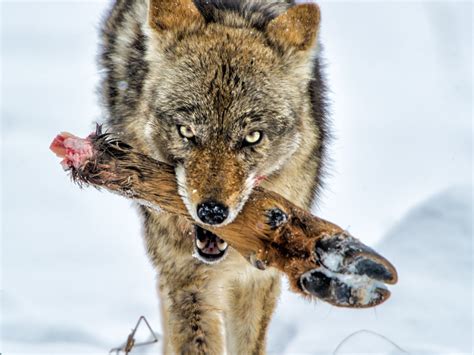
[231, 94]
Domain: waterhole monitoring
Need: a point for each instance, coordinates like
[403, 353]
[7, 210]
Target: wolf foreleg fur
[191, 321]
[192, 312]
[195, 323]
[251, 302]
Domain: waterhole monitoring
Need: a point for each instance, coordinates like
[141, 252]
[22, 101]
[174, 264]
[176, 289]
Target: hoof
[350, 274]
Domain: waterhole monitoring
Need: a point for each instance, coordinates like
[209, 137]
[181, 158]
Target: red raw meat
[75, 151]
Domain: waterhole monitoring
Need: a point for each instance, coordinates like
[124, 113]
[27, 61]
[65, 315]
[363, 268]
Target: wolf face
[225, 99]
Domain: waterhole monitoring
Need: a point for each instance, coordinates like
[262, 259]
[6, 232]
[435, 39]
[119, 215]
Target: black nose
[212, 212]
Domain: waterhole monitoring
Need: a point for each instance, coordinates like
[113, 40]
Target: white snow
[332, 261]
[401, 81]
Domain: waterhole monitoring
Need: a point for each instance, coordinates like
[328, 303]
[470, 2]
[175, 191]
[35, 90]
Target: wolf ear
[174, 15]
[296, 28]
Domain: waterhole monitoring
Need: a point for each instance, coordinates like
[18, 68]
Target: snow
[401, 181]
[332, 261]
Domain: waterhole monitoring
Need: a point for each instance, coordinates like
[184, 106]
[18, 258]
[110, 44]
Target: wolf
[232, 94]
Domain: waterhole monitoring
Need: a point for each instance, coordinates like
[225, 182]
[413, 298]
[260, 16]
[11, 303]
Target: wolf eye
[253, 138]
[186, 132]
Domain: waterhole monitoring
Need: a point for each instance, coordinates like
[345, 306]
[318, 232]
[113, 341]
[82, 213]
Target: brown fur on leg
[190, 305]
[252, 300]
[269, 303]
[195, 322]
[163, 291]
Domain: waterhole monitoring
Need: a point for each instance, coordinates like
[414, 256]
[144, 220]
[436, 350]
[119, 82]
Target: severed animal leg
[319, 258]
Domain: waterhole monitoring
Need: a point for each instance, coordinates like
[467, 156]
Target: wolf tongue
[211, 246]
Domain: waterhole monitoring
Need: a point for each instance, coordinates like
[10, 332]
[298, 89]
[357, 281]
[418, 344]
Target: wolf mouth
[209, 248]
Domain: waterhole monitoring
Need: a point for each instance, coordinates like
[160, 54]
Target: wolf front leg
[194, 321]
[251, 302]
[191, 310]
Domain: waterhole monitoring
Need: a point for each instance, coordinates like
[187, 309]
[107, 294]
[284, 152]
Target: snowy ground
[401, 80]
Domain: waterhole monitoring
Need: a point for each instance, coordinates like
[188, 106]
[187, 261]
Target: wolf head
[227, 89]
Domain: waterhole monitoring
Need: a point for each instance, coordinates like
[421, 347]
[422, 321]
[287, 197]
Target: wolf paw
[350, 274]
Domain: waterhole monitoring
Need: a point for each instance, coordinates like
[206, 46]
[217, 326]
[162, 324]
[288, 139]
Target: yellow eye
[253, 137]
[186, 132]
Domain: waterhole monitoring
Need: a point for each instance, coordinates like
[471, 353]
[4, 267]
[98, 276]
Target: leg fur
[164, 309]
[191, 310]
[195, 322]
[251, 302]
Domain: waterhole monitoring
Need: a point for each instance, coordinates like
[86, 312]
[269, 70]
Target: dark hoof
[345, 254]
[349, 291]
[351, 274]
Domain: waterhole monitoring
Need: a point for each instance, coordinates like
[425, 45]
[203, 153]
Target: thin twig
[130, 343]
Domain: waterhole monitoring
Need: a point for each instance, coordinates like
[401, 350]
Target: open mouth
[209, 248]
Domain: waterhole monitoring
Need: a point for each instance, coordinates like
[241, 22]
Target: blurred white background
[74, 275]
